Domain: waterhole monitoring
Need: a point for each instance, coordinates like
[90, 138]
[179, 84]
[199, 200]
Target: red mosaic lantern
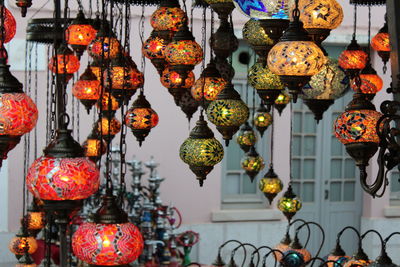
[381, 43]
[80, 34]
[153, 48]
[353, 59]
[105, 45]
[10, 25]
[168, 17]
[141, 118]
[87, 89]
[65, 62]
[369, 81]
[172, 79]
[108, 129]
[105, 103]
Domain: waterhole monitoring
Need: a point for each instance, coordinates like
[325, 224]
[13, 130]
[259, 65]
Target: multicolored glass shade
[115, 127]
[283, 99]
[10, 26]
[330, 83]
[107, 244]
[141, 118]
[270, 185]
[154, 47]
[94, 147]
[96, 69]
[172, 79]
[185, 52]
[66, 63]
[80, 34]
[381, 42]
[255, 35]
[370, 84]
[357, 126]
[356, 263]
[262, 120]
[289, 203]
[320, 14]
[105, 103]
[121, 76]
[52, 178]
[339, 259]
[168, 19]
[87, 89]
[18, 114]
[35, 220]
[104, 47]
[353, 59]
[295, 257]
[210, 87]
[265, 9]
[19, 245]
[296, 58]
[246, 137]
[260, 77]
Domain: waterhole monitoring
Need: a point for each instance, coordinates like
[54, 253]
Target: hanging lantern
[320, 17]
[18, 113]
[110, 240]
[173, 81]
[369, 81]
[209, 85]
[97, 68]
[94, 146]
[87, 89]
[353, 59]
[141, 118]
[10, 25]
[108, 129]
[246, 137]
[224, 42]
[105, 46]
[34, 219]
[123, 78]
[282, 246]
[228, 112]
[356, 129]
[270, 184]
[187, 104]
[255, 35]
[183, 53]
[63, 173]
[324, 88]
[22, 243]
[80, 34]
[381, 44]
[360, 259]
[201, 151]
[289, 204]
[295, 255]
[65, 64]
[252, 163]
[262, 119]
[105, 106]
[267, 84]
[338, 255]
[225, 68]
[282, 101]
[153, 48]
[168, 17]
[295, 58]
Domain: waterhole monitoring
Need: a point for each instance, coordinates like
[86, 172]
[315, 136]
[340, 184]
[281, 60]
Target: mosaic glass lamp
[10, 26]
[353, 59]
[64, 63]
[289, 204]
[22, 243]
[94, 146]
[154, 47]
[87, 89]
[381, 44]
[105, 46]
[252, 163]
[282, 101]
[246, 137]
[108, 128]
[270, 184]
[262, 119]
[368, 82]
[168, 17]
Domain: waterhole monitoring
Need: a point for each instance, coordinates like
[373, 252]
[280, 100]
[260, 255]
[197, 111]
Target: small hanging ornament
[65, 63]
[141, 118]
[289, 204]
[270, 184]
[281, 102]
[22, 243]
[262, 119]
[87, 89]
[34, 219]
[228, 112]
[23, 5]
[94, 146]
[381, 44]
[252, 163]
[246, 137]
[201, 151]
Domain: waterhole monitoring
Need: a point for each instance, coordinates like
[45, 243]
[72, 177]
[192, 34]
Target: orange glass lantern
[172, 80]
[353, 59]
[65, 63]
[105, 106]
[80, 34]
[10, 25]
[94, 146]
[34, 219]
[168, 17]
[105, 45]
[153, 48]
[23, 243]
[369, 81]
[209, 85]
[96, 68]
[141, 118]
[108, 129]
[381, 44]
[87, 89]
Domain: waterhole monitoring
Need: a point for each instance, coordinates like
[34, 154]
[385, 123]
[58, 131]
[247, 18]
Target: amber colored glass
[87, 89]
[210, 87]
[353, 59]
[105, 100]
[381, 42]
[35, 220]
[296, 58]
[141, 118]
[127, 78]
[370, 84]
[107, 244]
[184, 52]
[168, 19]
[10, 26]
[172, 79]
[320, 14]
[80, 34]
[115, 126]
[94, 147]
[104, 47]
[270, 185]
[154, 47]
[19, 245]
[67, 64]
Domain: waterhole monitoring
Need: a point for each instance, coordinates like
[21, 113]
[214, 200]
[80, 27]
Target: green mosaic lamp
[289, 204]
[246, 137]
[252, 163]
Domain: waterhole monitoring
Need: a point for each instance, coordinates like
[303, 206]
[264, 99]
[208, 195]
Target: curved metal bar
[347, 228]
[227, 242]
[269, 253]
[325, 263]
[308, 228]
[389, 237]
[373, 231]
[244, 249]
[258, 254]
[322, 240]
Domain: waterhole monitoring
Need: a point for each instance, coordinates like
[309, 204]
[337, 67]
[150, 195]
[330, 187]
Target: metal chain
[203, 63]
[369, 32]
[355, 22]
[36, 99]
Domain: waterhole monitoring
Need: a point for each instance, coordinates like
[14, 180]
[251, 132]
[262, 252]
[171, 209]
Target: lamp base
[295, 84]
[269, 96]
[227, 132]
[201, 172]
[7, 143]
[361, 152]
[318, 106]
[274, 27]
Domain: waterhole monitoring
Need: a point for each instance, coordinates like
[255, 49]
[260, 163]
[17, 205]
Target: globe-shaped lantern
[34, 220]
[168, 17]
[381, 44]
[153, 48]
[262, 119]
[320, 17]
[123, 78]
[356, 128]
[289, 204]
[267, 84]
[22, 243]
[18, 113]
[209, 85]
[270, 184]
[63, 173]
[246, 137]
[324, 88]
[105, 106]
[295, 255]
[10, 26]
[281, 102]
[201, 151]
[111, 240]
[87, 89]
[368, 82]
[282, 246]
[94, 146]
[65, 63]
[255, 35]
[338, 255]
[183, 53]
[295, 58]
[97, 68]
[359, 259]
[141, 118]
[173, 81]
[353, 59]
[252, 163]
[80, 33]
[228, 112]
[105, 46]
[108, 127]
[265, 9]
